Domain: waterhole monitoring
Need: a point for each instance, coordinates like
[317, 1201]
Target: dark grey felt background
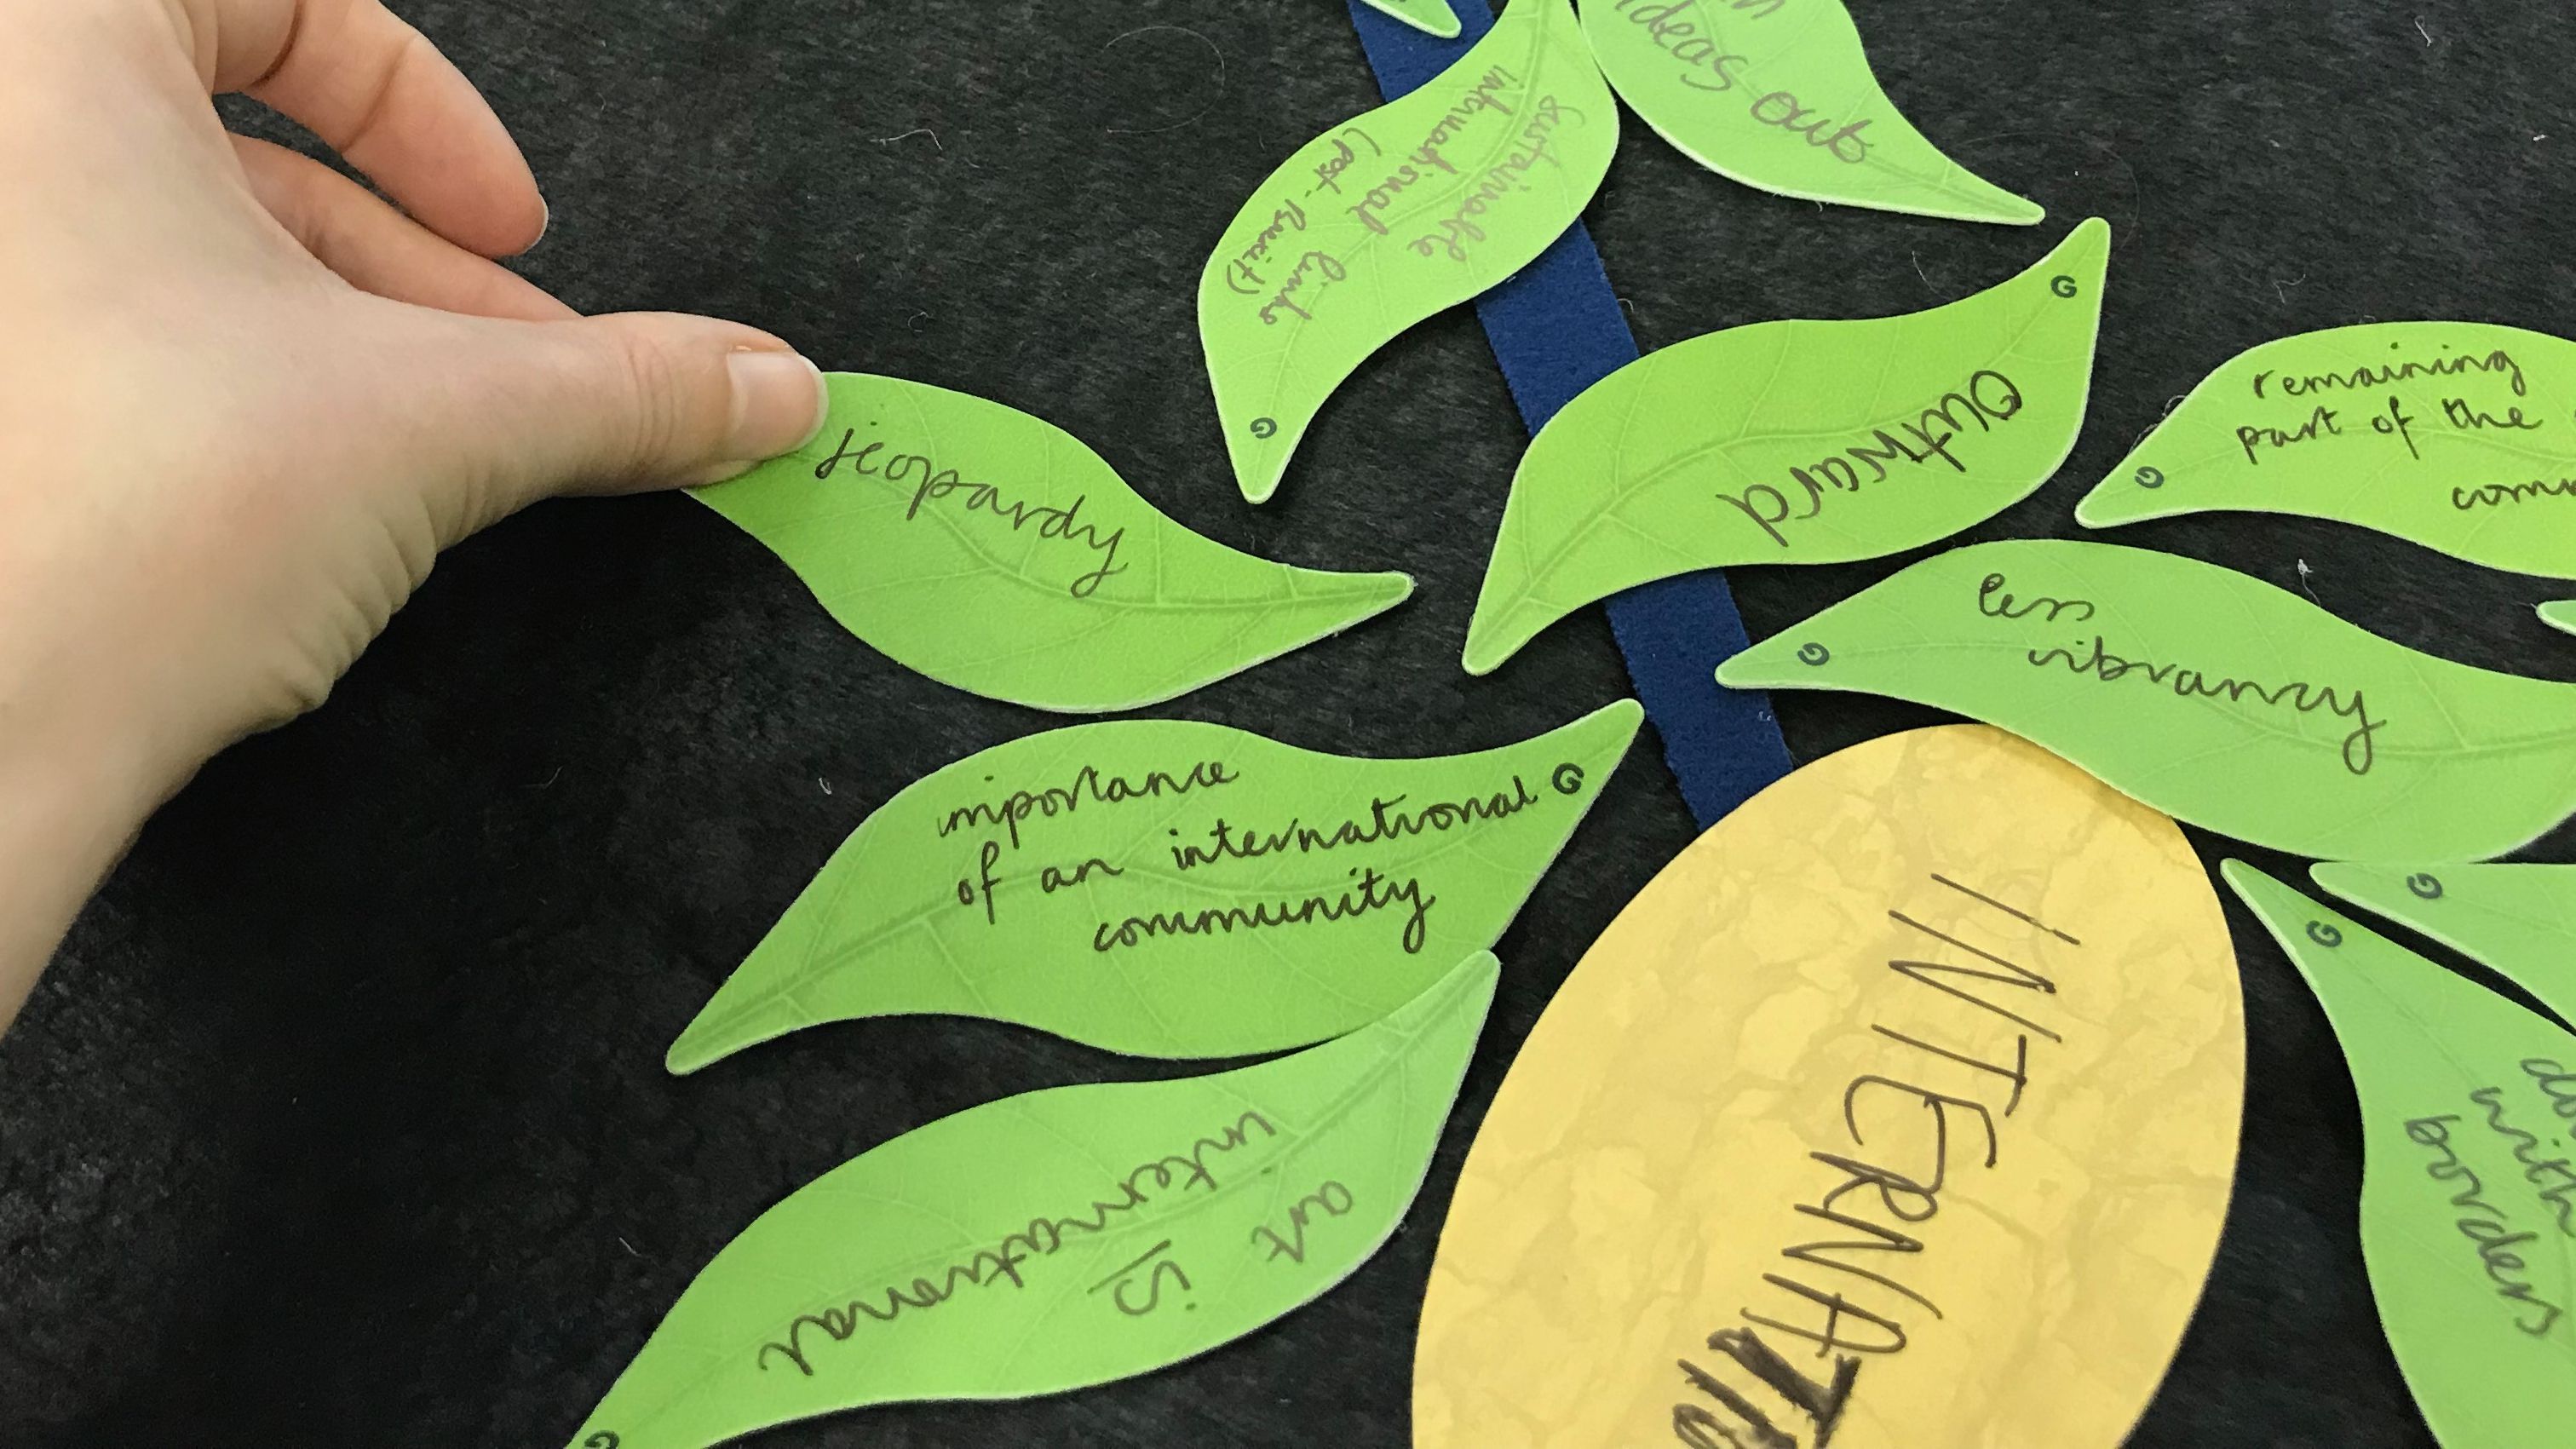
[341, 1119]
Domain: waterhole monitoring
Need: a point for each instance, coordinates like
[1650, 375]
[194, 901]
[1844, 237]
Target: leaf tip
[2272, 903]
[2093, 511]
[1750, 667]
[1485, 651]
[2022, 211]
[1478, 977]
[2559, 614]
[693, 1051]
[2129, 493]
[2087, 248]
[1382, 592]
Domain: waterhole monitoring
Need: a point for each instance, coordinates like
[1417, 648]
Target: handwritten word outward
[938, 484]
[1088, 786]
[2103, 666]
[1990, 399]
[1043, 1238]
[1885, 1203]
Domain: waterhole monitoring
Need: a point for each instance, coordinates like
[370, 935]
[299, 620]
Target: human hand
[243, 403]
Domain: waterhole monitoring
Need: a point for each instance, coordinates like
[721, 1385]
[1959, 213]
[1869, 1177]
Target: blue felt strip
[1557, 329]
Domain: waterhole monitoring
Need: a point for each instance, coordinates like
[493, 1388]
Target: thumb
[633, 401]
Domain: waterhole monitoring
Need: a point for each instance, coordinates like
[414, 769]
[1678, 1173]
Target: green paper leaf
[995, 552]
[2559, 614]
[2214, 697]
[2518, 919]
[1388, 218]
[2455, 435]
[1060, 1239]
[1797, 442]
[1044, 882]
[1434, 16]
[2468, 1199]
[1778, 94]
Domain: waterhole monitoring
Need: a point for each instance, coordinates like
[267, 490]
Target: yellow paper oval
[1737, 1190]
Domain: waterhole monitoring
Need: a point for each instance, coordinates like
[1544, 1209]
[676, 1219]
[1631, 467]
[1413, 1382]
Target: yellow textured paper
[1743, 1052]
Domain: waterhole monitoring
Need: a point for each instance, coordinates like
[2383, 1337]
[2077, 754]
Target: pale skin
[244, 403]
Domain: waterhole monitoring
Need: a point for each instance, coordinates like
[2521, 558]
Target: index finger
[376, 91]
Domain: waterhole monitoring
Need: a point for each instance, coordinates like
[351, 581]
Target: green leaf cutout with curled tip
[1433, 16]
[2214, 697]
[995, 552]
[2459, 436]
[2518, 919]
[2559, 614]
[1168, 889]
[1797, 442]
[1061, 1239]
[1778, 94]
[1384, 220]
[2468, 1200]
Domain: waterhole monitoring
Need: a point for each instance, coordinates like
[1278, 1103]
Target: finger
[376, 91]
[620, 403]
[376, 248]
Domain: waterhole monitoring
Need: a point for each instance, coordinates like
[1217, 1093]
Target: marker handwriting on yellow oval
[1883, 1115]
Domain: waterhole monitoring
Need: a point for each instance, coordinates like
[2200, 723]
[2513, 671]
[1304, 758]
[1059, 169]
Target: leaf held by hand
[995, 552]
[1874, 1065]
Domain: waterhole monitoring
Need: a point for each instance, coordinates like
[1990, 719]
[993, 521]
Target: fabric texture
[341, 1118]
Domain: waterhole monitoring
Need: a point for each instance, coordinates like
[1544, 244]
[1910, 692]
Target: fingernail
[778, 405]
